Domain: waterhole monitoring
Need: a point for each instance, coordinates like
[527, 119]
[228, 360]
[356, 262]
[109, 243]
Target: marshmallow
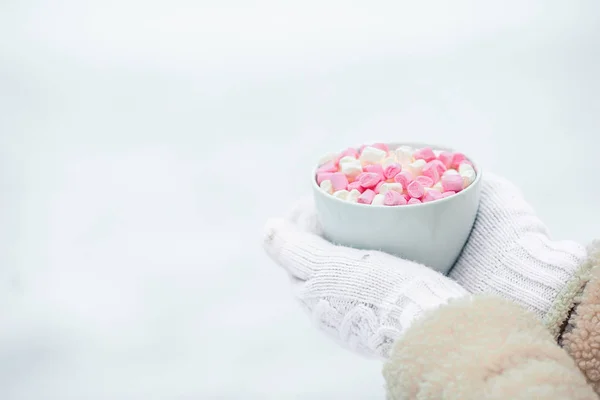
[381, 146]
[426, 181]
[416, 167]
[351, 169]
[328, 157]
[452, 183]
[323, 176]
[366, 197]
[391, 170]
[468, 177]
[378, 200]
[386, 187]
[338, 181]
[415, 189]
[341, 194]
[457, 159]
[329, 166]
[326, 186]
[349, 152]
[372, 155]
[445, 158]
[404, 177]
[390, 159]
[465, 167]
[425, 153]
[353, 196]
[348, 159]
[376, 168]
[431, 195]
[393, 198]
[369, 179]
[356, 186]
[404, 155]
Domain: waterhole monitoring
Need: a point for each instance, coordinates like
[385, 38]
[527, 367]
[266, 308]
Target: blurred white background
[143, 144]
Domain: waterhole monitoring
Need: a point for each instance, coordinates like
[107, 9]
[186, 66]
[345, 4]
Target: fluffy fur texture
[567, 299]
[582, 335]
[482, 348]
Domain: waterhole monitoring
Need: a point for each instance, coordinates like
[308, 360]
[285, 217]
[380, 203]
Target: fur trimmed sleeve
[482, 348]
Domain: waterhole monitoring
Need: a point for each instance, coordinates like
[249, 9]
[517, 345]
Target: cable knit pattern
[364, 299]
[509, 253]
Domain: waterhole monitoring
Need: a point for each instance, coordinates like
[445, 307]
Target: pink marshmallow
[452, 182]
[378, 186]
[329, 166]
[441, 168]
[431, 195]
[392, 170]
[404, 177]
[414, 201]
[323, 176]
[457, 159]
[415, 189]
[366, 197]
[349, 152]
[339, 181]
[445, 158]
[376, 168]
[425, 181]
[355, 185]
[370, 179]
[448, 194]
[430, 171]
[381, 146]
[424, 154]
[393, 198]
[407, 197]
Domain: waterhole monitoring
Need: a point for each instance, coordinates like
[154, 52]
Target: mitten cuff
[481, 347]
[557, 317]
[581, 335]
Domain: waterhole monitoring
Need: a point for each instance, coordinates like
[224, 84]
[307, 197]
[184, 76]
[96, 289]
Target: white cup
[431, 233]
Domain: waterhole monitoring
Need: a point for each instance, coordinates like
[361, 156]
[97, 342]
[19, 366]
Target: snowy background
[143, 144]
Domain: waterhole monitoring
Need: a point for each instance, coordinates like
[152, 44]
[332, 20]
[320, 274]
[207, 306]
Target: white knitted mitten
[364, 299]
[510, 253]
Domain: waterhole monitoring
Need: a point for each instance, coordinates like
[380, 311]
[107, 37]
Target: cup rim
[429, 203]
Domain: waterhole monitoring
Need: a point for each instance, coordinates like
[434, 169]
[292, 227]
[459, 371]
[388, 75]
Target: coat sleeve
[482, 347]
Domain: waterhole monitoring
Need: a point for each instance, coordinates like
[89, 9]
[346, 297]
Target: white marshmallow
[450, 172]
[404, 155]
[353, 196]
[465, 167]
[433, 189]
[327, 157]
[416, 167]
[326, 186]
[438, 186]
[468, 177]
[386, 187]
[346, 159]
[390, 159]
[351, 168]
[378, 200]
[341, 194]
[372, 155]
